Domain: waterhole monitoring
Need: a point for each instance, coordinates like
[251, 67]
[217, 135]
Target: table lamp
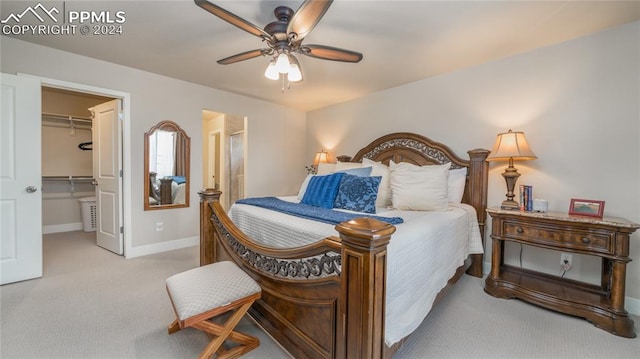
[320, 157]
[511, 146]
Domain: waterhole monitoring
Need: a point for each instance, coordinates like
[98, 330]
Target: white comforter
[423, 254]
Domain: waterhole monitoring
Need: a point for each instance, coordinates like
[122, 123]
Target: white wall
[271, 159]
[578, 103]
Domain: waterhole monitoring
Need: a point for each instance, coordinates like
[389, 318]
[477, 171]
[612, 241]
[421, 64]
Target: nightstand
[607, 238]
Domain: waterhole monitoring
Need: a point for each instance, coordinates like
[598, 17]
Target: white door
[20, 179]
[107, 166]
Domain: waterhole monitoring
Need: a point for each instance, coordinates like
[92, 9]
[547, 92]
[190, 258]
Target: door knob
[32, 189]
[94, 182]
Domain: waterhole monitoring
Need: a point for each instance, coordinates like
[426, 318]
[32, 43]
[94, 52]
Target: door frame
[126, 200]
[213, 165]
[242, 134]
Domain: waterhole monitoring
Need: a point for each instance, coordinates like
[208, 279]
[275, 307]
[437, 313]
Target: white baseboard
[57, 228]
[632, 305]
[145, 250]
[486, 268]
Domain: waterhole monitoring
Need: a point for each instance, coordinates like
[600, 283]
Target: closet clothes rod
[54, 116]
[68, 178]
[73, 180]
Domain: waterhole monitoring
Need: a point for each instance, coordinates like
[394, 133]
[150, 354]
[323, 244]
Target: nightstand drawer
[570, 239]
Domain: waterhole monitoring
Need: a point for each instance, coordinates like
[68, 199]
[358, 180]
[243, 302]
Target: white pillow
[419, 188]
[303, 187]
[341, 166]
[384, 190]
[457, 180]
[326, 168]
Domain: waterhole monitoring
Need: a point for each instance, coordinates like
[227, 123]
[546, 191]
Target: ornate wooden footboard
[327, 299]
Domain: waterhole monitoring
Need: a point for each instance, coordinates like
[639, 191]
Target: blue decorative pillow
[360, 172]
[358, 193]
[321, 190]
[179, 179]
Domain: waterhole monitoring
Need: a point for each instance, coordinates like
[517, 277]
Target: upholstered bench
[202, 293]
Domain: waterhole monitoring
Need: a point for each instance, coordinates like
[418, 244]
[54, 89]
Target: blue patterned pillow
[358, 193]
[321, 190]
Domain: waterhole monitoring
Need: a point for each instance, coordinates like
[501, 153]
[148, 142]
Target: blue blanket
[310, 212]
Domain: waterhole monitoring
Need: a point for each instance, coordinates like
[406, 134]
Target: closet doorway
[224, 154]
[78, 148]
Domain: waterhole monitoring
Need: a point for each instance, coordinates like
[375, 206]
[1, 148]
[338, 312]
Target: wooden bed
[336, 308]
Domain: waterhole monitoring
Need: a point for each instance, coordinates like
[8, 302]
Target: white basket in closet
[89, 213]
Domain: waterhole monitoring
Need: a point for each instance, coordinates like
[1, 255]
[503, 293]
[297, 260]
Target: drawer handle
[520, 230]
[586, 240]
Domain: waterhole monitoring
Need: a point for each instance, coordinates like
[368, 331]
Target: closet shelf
[66, 121]
[67, 178]
[73, 180]
[55, 116]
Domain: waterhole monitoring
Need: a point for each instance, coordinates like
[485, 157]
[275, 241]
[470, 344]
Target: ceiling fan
[283, 38]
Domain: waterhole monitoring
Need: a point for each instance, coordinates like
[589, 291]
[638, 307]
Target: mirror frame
[173, 127]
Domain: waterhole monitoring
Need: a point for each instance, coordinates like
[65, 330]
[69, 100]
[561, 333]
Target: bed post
[363, 288]
[207, 243]
[478, 182]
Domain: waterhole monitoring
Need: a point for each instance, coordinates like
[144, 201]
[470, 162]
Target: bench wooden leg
[174, 327]
[247, 342]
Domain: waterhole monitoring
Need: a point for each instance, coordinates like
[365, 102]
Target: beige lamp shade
[511, 145]
[321, 157]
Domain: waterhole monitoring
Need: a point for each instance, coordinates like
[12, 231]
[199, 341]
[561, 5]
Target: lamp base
[510, 205]
[510, 175]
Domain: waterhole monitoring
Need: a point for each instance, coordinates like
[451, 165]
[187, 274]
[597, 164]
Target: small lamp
[282, 63]
[320, 157]
[511, 146]
[294, 75]
[272, 72]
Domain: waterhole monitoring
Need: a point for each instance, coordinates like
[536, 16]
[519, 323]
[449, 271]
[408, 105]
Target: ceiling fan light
[271, 72]
[294, 75]
[282, 63]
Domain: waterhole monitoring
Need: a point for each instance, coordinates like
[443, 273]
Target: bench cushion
[204, 288]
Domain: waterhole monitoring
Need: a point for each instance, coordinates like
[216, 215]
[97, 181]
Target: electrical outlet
[566, 261]
[159, 226]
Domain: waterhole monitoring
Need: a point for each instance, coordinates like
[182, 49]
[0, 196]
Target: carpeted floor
[94, 304]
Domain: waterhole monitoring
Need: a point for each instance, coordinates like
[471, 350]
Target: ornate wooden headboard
[420, 150]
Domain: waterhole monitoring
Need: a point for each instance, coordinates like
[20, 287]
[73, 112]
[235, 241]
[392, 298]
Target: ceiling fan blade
[233, 19]
[330, 53]
[243, 56]
[307, 17]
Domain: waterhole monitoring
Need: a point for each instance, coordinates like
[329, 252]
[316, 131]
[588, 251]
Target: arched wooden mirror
[166, 167]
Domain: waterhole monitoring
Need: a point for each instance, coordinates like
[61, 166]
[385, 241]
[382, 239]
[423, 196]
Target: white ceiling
[402, 41]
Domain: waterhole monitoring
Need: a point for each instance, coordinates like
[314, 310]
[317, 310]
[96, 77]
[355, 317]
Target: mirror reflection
[167, 152]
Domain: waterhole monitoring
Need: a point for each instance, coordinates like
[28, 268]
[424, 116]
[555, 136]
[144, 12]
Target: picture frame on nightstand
[586, 207]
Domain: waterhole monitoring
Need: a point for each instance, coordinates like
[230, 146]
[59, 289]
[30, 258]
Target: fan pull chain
[288, 83]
